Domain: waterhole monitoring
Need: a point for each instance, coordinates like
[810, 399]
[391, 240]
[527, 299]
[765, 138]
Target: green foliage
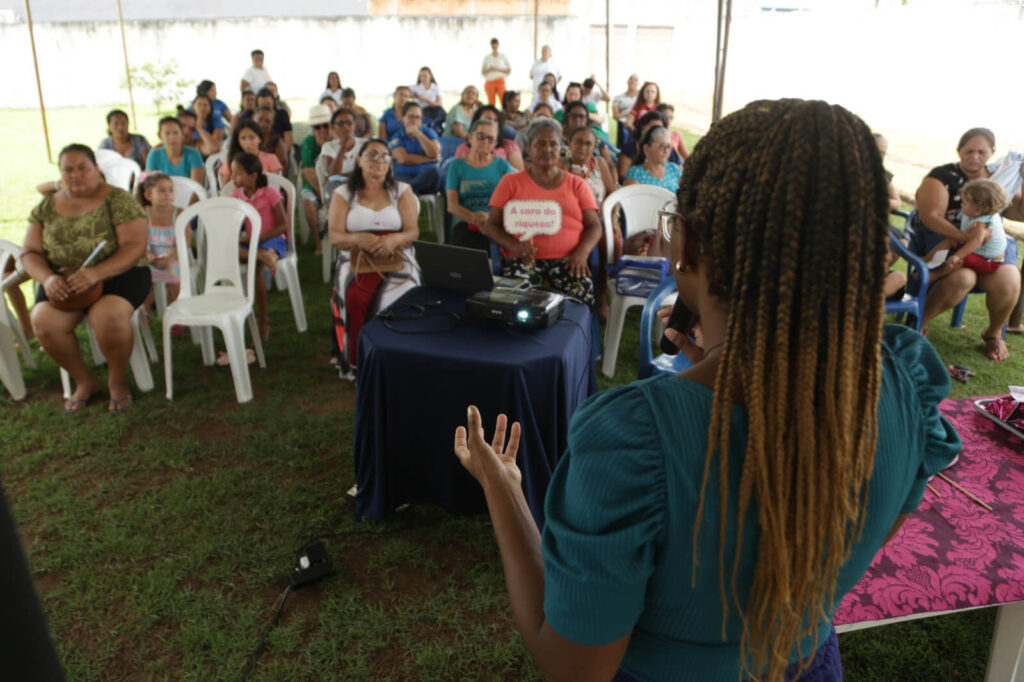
[161, 80]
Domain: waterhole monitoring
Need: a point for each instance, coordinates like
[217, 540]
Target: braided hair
[786, 201]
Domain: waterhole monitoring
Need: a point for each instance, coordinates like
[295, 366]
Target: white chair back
[285, 187]
[184, 188]
[106, 156]
[213, 162]
[640, 204]
[120, 172]
[221, 220]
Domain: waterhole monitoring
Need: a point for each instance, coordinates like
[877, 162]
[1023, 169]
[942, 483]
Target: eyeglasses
[663, 146]
[379, 156]
[667, 217]
[486, 138]
[344, 122]
[319, 126]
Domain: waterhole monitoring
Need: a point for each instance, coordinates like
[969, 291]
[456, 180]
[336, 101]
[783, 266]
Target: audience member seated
[278, 102]
[471, 181]
[576, 117]
[63, 230]
[220, 108]
[622, 104]
[320, 122]
[647, 101]
[584, 163]
[678, 143]
[333, 89]
[272, 142]
[246, 108]
[377, 214]
[559, 258]
[651, 165]
[248, 138]
[505, 148]
[265, 98]
[427, 93]
[209, 132]
[510, 103]
[574, 93]
[545, 95]
[187, 119]
[632, 147]
[593, 92]
[129, 145]
[340, 153]
[329, 102]
[544, 67]
[416, 151]
[390, 122]
[937, 218]
[173, 157]
[461, 115]
[364, 122]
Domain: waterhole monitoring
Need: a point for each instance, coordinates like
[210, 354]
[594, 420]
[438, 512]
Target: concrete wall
[82, 64]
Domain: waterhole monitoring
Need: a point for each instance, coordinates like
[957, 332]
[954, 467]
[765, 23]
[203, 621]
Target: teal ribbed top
[622, 502]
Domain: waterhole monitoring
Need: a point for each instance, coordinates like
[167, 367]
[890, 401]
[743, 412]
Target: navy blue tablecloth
[413, 390]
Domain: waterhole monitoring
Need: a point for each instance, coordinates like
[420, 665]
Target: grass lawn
[161, 539]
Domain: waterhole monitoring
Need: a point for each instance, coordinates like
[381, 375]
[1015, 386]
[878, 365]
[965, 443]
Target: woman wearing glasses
[377, 215]
[470, 183]
[651, 165]
[706, 525]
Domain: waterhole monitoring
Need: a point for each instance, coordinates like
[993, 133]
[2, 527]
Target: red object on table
[952, 553]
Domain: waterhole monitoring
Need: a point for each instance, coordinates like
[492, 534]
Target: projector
[530, 308]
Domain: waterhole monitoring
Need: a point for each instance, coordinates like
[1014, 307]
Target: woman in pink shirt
[248, 137]
[544, 219]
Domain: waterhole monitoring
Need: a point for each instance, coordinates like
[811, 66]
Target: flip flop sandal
[222, 359]
[120, 405]
[75, 405]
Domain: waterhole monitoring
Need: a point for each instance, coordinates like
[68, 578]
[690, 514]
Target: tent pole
[127, 71]
[718, 63]
[39, 84]
[608, 53]
[536, 11]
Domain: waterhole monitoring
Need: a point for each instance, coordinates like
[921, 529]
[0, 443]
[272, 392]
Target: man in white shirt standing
[494, 70]
[255, 77]
[542, 67]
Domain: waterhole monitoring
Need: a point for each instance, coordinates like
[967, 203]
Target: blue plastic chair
[449, 145]
[662, 364]
[917, 272]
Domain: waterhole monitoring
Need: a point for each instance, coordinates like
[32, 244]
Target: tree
[161, 80]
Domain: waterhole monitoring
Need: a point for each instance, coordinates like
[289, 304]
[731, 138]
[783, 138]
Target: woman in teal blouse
[660, 558]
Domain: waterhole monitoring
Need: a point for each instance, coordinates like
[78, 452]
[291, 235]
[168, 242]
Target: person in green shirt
[312, 202]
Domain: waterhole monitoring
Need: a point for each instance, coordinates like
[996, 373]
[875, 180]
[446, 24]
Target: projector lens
[523, 315]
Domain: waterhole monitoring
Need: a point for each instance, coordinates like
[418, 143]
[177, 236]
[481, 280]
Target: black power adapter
[311, 564]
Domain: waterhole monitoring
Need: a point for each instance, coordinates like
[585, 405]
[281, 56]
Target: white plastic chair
[106, 156]
[288, 267]
[120, 172]
[287, 277]
[184, 190]
[143, 349]
[213, 161]
[10, 369]
[224, 303]
[640, 204]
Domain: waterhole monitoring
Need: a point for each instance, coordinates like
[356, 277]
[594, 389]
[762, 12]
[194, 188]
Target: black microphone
[682, 320]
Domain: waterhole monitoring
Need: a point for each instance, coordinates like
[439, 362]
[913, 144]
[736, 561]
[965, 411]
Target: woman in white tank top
[380, 215]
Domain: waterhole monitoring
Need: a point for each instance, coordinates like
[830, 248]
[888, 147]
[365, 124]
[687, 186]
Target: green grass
[161, 540]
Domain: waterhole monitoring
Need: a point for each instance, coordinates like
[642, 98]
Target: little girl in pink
[156, 195]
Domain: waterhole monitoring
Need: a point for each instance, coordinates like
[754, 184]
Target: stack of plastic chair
[10, 328]
[640, 205]
[226, 302]
[662, 364]
[143, 349]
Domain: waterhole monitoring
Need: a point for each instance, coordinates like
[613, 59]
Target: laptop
[453, 267]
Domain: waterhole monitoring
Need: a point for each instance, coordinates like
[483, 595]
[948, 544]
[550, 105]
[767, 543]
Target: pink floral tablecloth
[952, 553]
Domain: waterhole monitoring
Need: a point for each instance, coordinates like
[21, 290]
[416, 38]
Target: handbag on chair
[362, 262]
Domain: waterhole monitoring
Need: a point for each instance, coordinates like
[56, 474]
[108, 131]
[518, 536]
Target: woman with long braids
[706, 525]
